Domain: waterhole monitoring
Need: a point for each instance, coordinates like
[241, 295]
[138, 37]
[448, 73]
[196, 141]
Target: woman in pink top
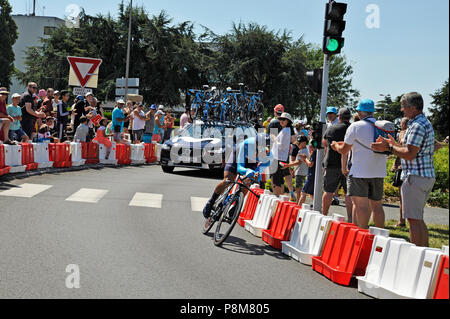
[102, 138]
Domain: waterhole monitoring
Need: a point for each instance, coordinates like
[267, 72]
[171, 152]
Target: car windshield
[215, 131]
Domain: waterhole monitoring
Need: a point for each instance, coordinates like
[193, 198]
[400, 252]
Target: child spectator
[15, 130]
[82, 131]
[63, 115]
[44, 135]
[308, 189]
[102, 138]
[298, 157]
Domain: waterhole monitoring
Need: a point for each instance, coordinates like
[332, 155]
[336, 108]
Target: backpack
[382, 128]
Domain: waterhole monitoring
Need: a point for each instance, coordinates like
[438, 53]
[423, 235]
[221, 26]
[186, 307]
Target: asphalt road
[92, 219]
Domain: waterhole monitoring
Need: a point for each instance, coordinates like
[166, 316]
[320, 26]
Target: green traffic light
[332, 45]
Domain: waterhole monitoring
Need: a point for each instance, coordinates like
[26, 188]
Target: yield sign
[84, 68]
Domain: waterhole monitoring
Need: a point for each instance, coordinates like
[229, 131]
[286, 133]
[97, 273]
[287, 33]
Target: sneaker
[292, 198]
[335, 201]
[9, 142]
[207, 209]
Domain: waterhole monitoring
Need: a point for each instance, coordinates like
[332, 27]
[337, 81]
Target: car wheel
[167, 169]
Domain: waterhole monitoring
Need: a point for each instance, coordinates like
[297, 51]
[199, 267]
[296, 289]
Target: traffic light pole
[320, 152]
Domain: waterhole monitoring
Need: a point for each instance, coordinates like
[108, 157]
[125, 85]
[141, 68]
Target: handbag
[397, 178]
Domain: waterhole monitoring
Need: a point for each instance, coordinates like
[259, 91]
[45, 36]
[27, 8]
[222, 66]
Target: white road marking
[198, 203]
[86, 195]
[147, 200]
[26, 190]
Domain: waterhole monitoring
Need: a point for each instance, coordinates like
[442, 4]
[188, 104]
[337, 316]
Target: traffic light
[333, 41]
[315, 80]
[317, 134]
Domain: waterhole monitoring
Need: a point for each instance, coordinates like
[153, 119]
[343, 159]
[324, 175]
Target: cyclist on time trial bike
[250, 155]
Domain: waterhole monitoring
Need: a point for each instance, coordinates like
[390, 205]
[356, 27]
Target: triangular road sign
[84, 68]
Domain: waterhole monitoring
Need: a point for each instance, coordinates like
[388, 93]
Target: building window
[49, 30]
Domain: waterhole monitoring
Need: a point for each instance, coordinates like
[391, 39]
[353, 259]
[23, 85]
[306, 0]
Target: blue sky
[408, 52]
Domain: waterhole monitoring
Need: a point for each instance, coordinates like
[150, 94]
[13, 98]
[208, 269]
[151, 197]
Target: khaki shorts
[371, 188]
[415, 192]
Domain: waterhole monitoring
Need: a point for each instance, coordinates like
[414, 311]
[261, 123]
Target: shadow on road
[5, 186]
[241, 246]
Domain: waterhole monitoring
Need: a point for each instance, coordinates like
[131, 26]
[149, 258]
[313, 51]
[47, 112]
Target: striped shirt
[420, 133]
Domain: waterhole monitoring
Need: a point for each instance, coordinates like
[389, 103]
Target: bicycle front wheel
[228, 218]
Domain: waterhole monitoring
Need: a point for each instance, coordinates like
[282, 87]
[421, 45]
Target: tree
[8, 37]
[389, 109]
[439, 112]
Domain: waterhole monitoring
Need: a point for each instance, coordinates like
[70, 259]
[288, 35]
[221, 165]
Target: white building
[30, 30]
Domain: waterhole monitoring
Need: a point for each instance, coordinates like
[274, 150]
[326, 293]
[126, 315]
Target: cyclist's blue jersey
[247, 159]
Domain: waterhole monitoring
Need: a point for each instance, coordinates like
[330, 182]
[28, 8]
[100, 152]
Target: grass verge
[438, 234]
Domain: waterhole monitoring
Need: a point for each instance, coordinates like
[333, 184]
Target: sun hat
[120, 101]
[366, 105]
[3, 90]
[153, 107]
[332, 109]
[15, 95]
[287, 116]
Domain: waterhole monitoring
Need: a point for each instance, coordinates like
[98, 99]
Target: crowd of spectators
[48, 116]
[357, 163]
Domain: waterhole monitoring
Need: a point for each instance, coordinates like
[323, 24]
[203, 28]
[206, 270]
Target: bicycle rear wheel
[228, 218]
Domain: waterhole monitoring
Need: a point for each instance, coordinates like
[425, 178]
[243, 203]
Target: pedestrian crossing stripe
[147, 200]
[87, 195]
[197, 203]
[93, 196]
[25, 190]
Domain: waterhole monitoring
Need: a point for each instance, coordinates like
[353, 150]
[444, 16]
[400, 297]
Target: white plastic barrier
[13, 158]
[137, 153]
[41, 155]
[76, 151]
[308, 237]
[398, 269]
[253, 187]
[111, 160]
[158, 152]
[265, 209]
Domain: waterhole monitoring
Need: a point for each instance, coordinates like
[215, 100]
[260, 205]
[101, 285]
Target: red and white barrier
[111, 160]
[3, 168]
[308, 237]
[266, 208]
[398, 269]
[76, 154]
[41, 155]
[13, 158]
[137, 154]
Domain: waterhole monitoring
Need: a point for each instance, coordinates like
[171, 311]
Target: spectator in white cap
[366, 177]
[15, 130]
[118, 119]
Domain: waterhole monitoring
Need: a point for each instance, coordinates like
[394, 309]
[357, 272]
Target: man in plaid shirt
[416, 153]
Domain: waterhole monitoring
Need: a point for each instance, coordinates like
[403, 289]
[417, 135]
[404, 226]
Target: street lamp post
[127, 69]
